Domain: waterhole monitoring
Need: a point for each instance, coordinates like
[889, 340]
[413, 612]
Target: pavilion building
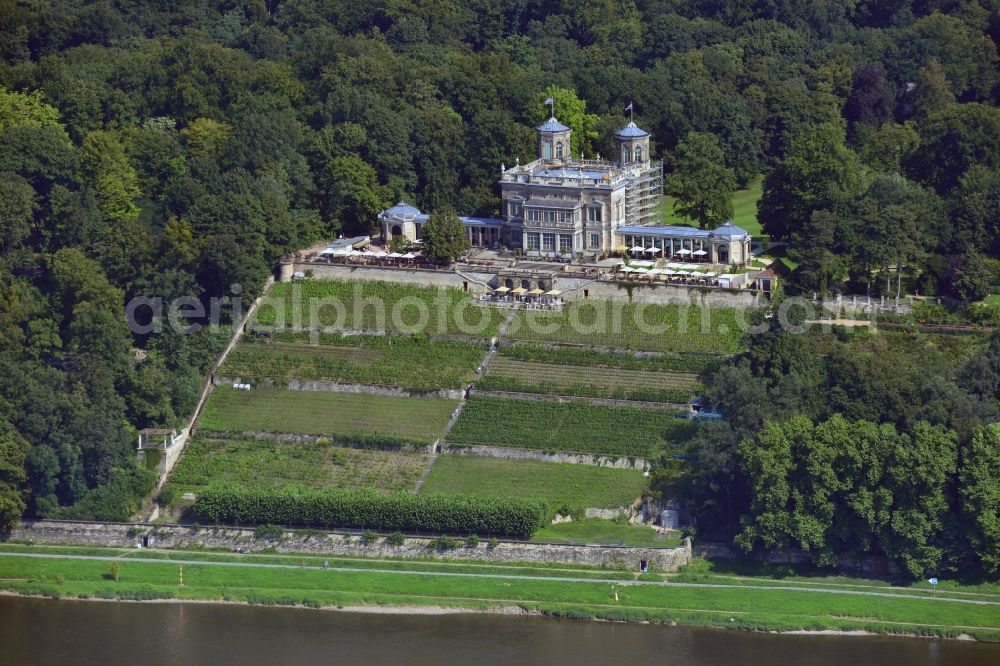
[727, 244]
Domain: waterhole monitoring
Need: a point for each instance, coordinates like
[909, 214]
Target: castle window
[638, 153]
[594, 214]
[565, 243]
[626, 154]
[548, 242]
[532, 239]
[559, 149]
[595, 241]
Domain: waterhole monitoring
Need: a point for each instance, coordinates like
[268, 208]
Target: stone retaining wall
[659, 294]
[340, 543]
[572, 286]
[604, 402]
[508, 453]
[473, 280]
[333, 441]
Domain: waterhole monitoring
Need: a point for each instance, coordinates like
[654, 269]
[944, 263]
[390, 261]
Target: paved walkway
[453, 574]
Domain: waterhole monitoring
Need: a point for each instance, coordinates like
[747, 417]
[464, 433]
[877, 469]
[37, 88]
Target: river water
[37, 631]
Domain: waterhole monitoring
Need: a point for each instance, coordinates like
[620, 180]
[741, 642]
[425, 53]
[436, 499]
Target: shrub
[369, 537]
[443, 543]
[493, 543]
[168, 495]
[472, 540]
[267, 531]
[368, 509]
[114, 501]
[395, 539]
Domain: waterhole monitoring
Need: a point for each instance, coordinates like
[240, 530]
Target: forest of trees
[178, 149]
[854, 444]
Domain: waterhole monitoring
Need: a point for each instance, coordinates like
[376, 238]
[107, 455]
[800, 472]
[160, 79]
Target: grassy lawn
[737, 607]
[617, 324]
[323, 413]
[318, 464]
[574, 486]
[507, 374]
[411, 363]
[376, 306]
[605, 532]
[992, 299]
[744, 208]
[734, 572]
[571, 427]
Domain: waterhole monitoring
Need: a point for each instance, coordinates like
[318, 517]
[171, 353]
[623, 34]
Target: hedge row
[368, 509]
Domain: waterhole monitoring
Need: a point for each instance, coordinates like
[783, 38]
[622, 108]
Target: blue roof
[552, 125]
[482, 221]
[727, 230]
[632, 131]
[664, 230]
[402, 209]
[730, 230]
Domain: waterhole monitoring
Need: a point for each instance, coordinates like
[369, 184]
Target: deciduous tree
[444, 237]
[701, 183]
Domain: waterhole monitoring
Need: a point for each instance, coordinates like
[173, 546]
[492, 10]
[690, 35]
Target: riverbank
[420, 611]
[46, 632]
[436, 587]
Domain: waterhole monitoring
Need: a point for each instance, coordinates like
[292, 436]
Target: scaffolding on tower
[644, 195]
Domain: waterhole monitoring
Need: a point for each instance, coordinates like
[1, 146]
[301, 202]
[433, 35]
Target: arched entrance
[397, 230]
[526, 284]
[509, 284]
[723, 254]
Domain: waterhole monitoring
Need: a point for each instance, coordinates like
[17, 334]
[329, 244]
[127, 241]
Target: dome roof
[552, 125]
[402, 209]
[730, 230]
[632, 131]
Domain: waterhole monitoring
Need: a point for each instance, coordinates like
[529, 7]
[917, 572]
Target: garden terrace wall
[339, 543]
[658, 294]
[329, 386]
[573, 287]
[447, 277]
[510, 453]
[555, 396]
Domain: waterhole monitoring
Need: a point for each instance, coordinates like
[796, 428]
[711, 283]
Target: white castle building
[564, 205]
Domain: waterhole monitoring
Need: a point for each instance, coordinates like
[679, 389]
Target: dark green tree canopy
[701, 183]
[444, 237]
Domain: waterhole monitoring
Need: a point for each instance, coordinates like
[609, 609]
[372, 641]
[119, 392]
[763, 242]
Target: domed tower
[400, 220]
[632, 144]
[553, 140]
